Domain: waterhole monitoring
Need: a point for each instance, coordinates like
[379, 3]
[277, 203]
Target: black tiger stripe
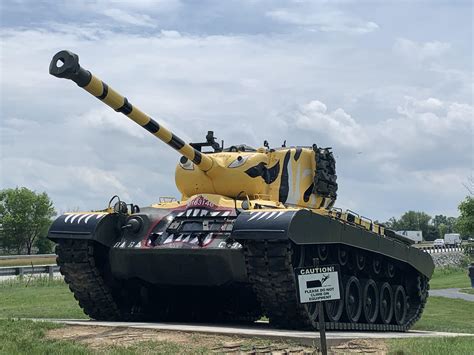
[152, 126]
[126, 108]
[105, 91]
[176, 142]
[197, 157]
[284, 186]
[297, 154]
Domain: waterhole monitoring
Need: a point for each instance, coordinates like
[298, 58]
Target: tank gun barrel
[65, 64]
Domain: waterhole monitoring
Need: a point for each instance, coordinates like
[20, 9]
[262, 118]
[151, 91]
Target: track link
[270, 269]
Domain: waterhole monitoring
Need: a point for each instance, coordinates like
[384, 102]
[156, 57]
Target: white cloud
[128, 18]
[337, 124]
[323, 20]
[420, 51]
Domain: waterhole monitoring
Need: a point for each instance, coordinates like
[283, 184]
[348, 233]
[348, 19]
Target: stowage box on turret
[226, 251]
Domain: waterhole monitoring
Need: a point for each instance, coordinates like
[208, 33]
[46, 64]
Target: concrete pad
[261, 330]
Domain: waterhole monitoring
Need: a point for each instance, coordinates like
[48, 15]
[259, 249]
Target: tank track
[78, 266]
[270, 267]
[83, 264]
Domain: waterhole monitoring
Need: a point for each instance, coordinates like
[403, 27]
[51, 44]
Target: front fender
[102, 227]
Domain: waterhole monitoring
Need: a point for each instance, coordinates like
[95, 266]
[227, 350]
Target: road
[452, 293]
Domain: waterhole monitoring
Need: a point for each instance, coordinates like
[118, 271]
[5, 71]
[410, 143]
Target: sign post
[318, 284]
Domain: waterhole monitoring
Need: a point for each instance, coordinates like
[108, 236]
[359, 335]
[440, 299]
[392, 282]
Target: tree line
[437, 226]
[25, 217]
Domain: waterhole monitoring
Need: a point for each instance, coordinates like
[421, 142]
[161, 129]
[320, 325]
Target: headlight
[239, 161]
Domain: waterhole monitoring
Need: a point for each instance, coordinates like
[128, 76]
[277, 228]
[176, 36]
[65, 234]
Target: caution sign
[319, 283]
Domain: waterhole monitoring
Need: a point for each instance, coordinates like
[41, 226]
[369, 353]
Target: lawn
[450, 277]
[27, 262]
[432, 346]
[447, 315]
[38, 298]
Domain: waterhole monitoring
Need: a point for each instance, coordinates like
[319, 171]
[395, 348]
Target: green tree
[444, 224]
[413, 220]
[465, 222]
[25, 217]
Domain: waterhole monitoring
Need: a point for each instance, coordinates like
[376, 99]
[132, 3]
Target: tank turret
[300, 176]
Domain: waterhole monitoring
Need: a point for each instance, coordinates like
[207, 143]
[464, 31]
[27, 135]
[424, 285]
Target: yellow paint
[95, 86]
[114, 99]
[138, 116]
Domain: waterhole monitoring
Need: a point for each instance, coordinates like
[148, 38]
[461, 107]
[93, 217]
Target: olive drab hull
[227, 250]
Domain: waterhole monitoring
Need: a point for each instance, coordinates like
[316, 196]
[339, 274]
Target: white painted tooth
[179, 238]
[186, 240]
[98, 216]
[73, 218]
[207, 239]
[226, 213]
[180, 214]
[215, 213]
[272, 214]
[263, 215]
[68, 217]
[204, 212]
[255, 215]
[196, 212]
[81, 218]
[188, 212]
[193, 240]
[89, 216]
[169, 239]
[279, 214]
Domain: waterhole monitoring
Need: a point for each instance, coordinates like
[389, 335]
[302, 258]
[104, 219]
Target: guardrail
[29, 270]
[33, 256]
[440, 249]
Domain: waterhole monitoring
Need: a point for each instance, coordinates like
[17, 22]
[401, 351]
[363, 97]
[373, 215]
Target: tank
[227, 249]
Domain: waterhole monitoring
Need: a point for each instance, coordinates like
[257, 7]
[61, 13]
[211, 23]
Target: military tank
[226, 251]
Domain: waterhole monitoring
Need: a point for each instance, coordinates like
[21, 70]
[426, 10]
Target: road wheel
[386, 303]
[353, 299]
[370, 297]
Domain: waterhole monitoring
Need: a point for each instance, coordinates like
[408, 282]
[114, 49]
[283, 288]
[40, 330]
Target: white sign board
[318, 283]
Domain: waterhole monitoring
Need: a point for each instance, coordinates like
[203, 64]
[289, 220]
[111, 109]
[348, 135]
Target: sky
[387, 84]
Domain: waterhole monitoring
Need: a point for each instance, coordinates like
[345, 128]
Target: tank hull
[211, 253]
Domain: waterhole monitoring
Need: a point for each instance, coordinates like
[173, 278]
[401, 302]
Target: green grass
[447, 315]
[27, 337]
[450, 277]
[27, 262]
[38, 298]
[467, 290]
[432, 346]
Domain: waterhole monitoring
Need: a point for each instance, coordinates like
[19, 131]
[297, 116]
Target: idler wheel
[390, 269]
[353, 299]
[377, 266]
[386, 303]
[342, 256]
[360, 261]
[370, 297]
[323, 252]
[400, 305]
[334, 309]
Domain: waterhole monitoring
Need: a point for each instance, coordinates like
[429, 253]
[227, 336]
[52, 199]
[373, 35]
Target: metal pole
[51, 273]
[322, 324]
[322, 329]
